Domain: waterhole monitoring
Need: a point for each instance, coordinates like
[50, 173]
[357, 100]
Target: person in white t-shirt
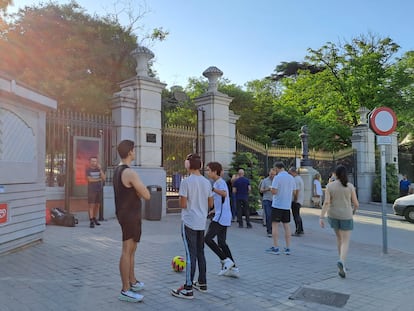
[196, 198]
[220, 222]
[317, 191]
[283, 186]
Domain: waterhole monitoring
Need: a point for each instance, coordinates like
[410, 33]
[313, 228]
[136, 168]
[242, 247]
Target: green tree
[359, 72]
[68, 54]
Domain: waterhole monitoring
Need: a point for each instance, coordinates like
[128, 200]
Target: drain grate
[321, 296]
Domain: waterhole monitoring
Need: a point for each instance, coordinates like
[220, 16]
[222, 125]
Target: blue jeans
[267, 208]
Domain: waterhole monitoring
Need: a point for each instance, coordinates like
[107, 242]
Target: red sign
[3, 213]
[383, 121]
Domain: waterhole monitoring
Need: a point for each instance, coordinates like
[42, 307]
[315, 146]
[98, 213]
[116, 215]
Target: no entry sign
[383, 121]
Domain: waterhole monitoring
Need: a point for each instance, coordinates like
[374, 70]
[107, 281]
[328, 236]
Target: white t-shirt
[301, 188]
[285, 185]
[222, 210]
[317, 187]
[197, 190]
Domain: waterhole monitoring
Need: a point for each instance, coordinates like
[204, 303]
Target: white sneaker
[234, 272]
[130, 296]
[137, 286]
[227, 265]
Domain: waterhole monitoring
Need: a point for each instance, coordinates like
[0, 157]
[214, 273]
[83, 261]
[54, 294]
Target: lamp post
[67, 169]
[101, 209]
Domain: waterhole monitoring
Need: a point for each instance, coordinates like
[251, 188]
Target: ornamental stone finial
[363, 115]
[142, 56]
[212, 74]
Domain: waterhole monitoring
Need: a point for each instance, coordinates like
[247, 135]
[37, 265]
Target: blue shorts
[341, 224]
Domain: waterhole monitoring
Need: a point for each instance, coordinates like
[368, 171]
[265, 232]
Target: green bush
[249, 163]
[392, 184]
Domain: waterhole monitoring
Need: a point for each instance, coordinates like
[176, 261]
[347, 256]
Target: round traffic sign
[383, 121]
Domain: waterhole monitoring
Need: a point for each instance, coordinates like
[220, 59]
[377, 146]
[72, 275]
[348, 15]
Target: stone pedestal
[307, 173]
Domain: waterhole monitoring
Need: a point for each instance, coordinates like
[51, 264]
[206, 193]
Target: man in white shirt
[283, 186]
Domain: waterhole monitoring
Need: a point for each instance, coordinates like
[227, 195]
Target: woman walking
[340, 204]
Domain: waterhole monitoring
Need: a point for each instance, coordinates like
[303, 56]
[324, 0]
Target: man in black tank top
[128, 191]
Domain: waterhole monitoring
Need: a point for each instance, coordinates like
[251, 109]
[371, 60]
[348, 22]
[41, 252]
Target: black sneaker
[96, 222]
[182, 292]
[200, 287]
[249, 226]
[91, 224]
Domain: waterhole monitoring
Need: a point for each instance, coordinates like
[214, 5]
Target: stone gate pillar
[219, 121]
[363, 141]
[136, 113]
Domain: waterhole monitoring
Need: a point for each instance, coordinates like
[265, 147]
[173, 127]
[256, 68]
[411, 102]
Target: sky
[247, 39]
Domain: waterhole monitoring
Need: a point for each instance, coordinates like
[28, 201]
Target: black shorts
[94, 197]
[280, 215]
[130, 224]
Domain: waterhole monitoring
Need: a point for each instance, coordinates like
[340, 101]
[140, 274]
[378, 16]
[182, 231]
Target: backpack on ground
[62, 218]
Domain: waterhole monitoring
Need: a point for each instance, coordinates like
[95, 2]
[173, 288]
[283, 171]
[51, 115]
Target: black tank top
[126, 199]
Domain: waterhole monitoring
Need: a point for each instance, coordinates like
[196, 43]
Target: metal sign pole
[384, 199]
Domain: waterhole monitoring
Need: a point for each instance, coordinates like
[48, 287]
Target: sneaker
[200, 287]
[269, 235]
[226, 265]
[273, 250]
[96, 222]
[249, 226]
[287, 251]
[234, 272]
[130, 296]
[182, 293]
[137, 286]
[341, 269]
[240, 226]
[91, 224]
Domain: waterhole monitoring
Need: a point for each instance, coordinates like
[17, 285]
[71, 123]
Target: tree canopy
[74, 57]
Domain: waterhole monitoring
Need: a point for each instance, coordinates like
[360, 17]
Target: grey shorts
[341, 224]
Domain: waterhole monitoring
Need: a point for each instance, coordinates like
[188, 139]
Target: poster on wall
[83, 149]
[4, 213]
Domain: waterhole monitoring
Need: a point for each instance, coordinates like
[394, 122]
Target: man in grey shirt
[265, 189]
[297, 201]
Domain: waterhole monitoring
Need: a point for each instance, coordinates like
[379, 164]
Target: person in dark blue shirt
[404, 186]
[242, 188]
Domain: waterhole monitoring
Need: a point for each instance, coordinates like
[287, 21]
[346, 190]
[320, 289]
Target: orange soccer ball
[178, 263]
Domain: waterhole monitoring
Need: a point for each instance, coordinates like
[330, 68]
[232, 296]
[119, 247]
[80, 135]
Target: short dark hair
[279, 165]
[215, 167]
[195, 161]
[125, 147]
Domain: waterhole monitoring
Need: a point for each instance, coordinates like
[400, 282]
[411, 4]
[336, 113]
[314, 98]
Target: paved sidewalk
[77, 269]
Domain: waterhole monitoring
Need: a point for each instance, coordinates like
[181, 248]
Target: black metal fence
[324, 162]
[177, 143]
[61, 128]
